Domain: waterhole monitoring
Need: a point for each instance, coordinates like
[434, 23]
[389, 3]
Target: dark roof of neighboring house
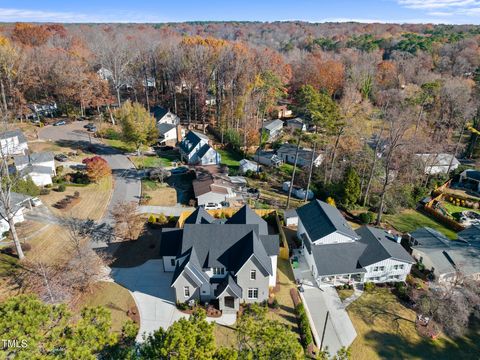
[321, 219]
[273, 124]
[228, 284]
[34, 158]
[199, 216]
[193, 138]
[303, 153]
[164, 128]
[271, 243]
[222, 245]
[202, 186]
[337, 259]
[429, 238]
[380, 246]
[473, 174]
[158, 112]
[471, 234]
[247, 216]
[14, 133]
[203, 150]
[296, 122]
[170, 242]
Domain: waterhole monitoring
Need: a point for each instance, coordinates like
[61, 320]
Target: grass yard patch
[115, 298]
[410, 220]
[386, 330]
[8, 264]
[142, 162]
[158, 194]
[230, 158]
[344, 293]
[94, 200]
[286, 311]
[225, 336]
[452, 209]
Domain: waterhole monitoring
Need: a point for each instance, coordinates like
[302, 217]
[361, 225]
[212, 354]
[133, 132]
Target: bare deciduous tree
[128, 224]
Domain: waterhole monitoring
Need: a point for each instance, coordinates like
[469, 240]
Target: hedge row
[304, 324]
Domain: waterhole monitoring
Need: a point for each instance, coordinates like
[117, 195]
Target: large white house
[438, 163]
[13, 143]
[40, 167]
[337, 254]
[164, 116]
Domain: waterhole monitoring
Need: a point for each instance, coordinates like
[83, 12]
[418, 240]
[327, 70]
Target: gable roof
[471, 234]
[199, 216]
[273, 125]
[163, 128]
[37, 169]
[296, 122]
[472, 174]
[247, 216]
[380, 246]
[337, 259]
[34, 158]
[429, 238]
[204, 150]
[190, 267]
[221, 245]
[228, 284]
[321, 219]
[14, 133]
[191, 140]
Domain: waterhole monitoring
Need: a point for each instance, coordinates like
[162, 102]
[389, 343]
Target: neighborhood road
[127, 184]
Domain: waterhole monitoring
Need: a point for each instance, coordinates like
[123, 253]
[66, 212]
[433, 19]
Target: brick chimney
[179, 133]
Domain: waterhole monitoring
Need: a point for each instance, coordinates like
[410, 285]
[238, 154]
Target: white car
[212, 206]
[36, 202]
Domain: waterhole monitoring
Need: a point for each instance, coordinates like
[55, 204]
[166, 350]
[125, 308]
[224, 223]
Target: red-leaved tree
[97, 168]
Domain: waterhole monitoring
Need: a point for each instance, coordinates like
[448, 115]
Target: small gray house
[224, 263]
[287, 153]
[297, 124]
[272, 128]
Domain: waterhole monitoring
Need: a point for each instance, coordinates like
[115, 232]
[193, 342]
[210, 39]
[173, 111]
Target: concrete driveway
[339, 330]
[127, 182]
[155, 299]
[176, 210]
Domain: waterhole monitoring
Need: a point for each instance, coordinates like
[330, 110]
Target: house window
[218, 271]
[186, 291]
[400, 267]
[381, 268]
[253, 293]
[253, 274]
[375, 268]
[172, 262]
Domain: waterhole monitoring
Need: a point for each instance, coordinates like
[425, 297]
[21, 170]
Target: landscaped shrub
[182, 306]
[162, 219]
[76, 194]
[26, 187]
[273, 304]
[61, 188]
[152, 219]
[59, 169]
[369, 286]
[305, 331]
[366, 217]
[44, 191]
[79, 178]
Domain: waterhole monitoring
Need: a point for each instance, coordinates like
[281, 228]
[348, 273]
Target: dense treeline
[377, 93]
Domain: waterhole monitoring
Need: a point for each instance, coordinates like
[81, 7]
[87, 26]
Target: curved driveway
[127, 184]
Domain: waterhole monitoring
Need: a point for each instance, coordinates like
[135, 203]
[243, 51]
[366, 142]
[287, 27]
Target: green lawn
[386, 330]
[141, 162]
[410, 220]
[452, 209]
[230, 158]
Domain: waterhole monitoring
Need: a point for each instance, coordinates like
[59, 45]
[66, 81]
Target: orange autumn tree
[97, 168]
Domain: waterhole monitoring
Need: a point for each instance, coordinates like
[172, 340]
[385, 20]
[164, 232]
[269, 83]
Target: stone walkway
[357, 292]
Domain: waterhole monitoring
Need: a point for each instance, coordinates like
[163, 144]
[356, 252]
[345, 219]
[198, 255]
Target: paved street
[155, 299]
[127, 184]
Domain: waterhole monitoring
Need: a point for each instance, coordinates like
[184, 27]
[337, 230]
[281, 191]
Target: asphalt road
[127, 184]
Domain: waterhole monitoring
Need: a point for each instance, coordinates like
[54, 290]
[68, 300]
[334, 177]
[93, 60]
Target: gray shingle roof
[34, 158]
[380, 246]
[471, 234]
[14, 133]
[321, 219]
[247, 216]
[337, 259]
[221, 245]
[273, 124]
[200, 216]
[429, 238]
[164, 128]
[171, 242]
[271, 243]
[228, 284]
[29, 169]
[192, 138]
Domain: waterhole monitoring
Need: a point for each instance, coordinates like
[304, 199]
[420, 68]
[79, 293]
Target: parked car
[61, 157]
[89, 125]
[179, 170]
[212, 206]
[253, 191]
[36, 202]
[60, 123]
[92, 128]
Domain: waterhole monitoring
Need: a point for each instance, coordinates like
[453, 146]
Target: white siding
[167, 263]
[333, 238]
[272, 280]
[388, 272]
[40, 179]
